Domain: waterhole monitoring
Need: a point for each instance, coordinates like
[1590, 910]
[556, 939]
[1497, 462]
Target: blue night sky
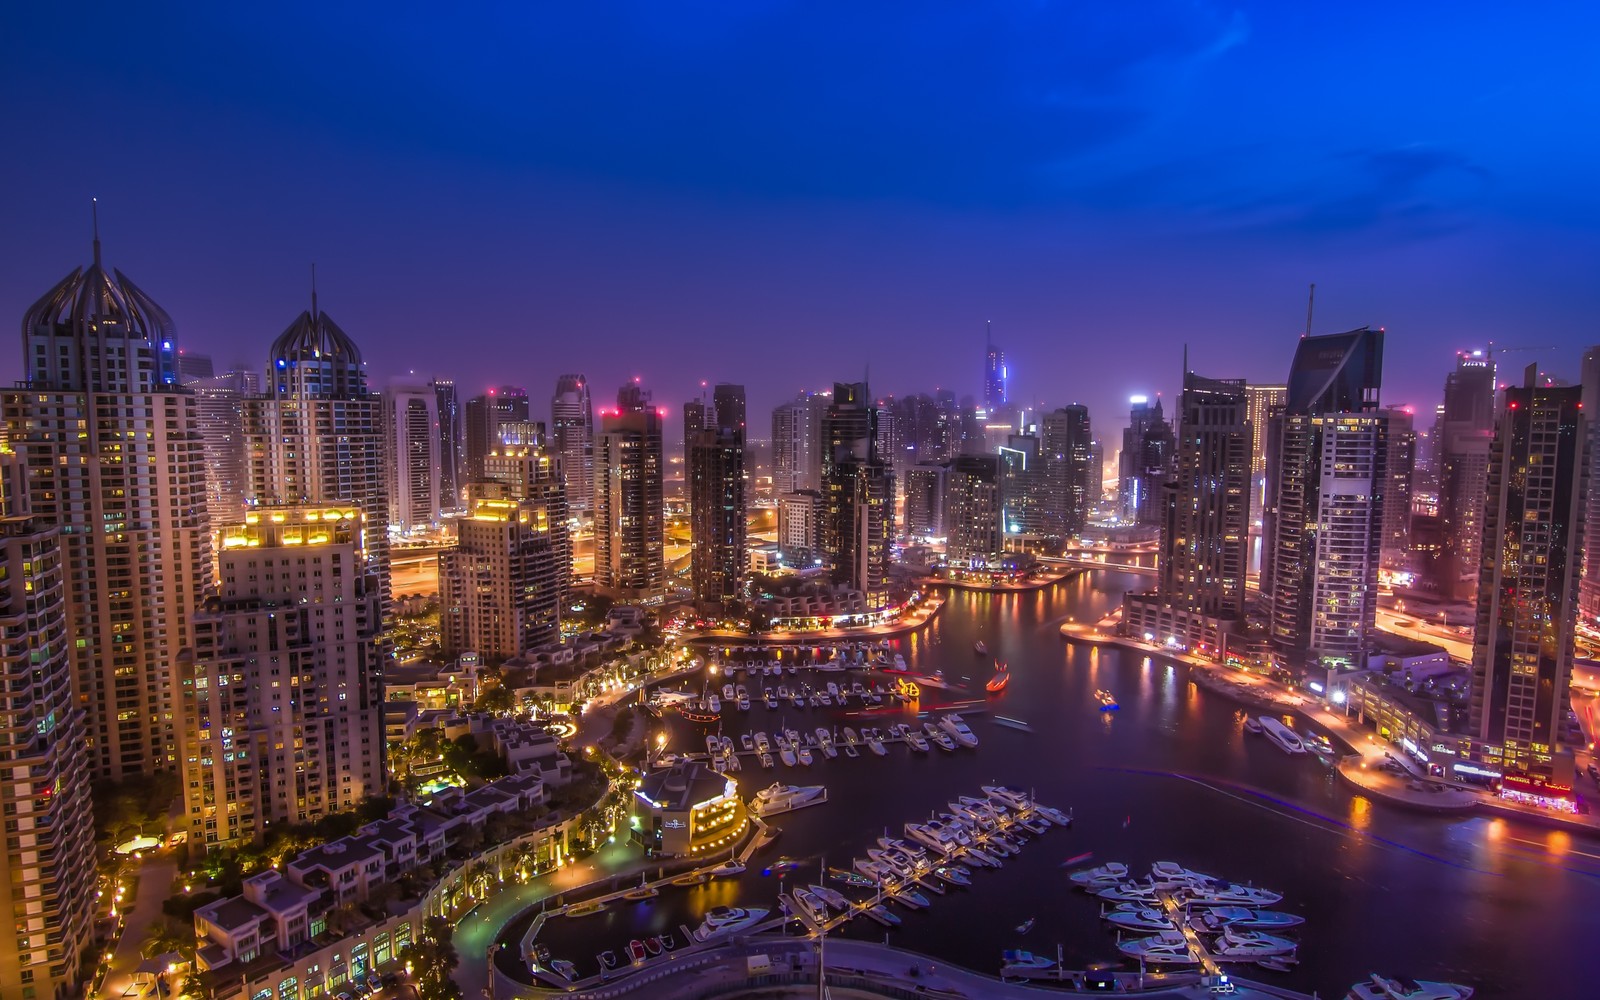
[783, 194]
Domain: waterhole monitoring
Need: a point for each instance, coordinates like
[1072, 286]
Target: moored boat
[1281, 735]
[1383, 988]
[1165, 948]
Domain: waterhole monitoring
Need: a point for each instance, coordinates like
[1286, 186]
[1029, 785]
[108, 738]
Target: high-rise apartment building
[696, 417]
[284, 681]
[486, 416]
[452, 478]
[714, 465]
[1265, 400]
[1464, 433]
[532, 472]
[116, 462]
[973, 511]
[1199, 600]
[316, 434]
[1146, 461]
[1071, 475]
[628, 511]
[1024, 488]
[1324, 522]
[800, 527]
[1589, 588]
[501, 586]
[47, 863]
[194, 367]
[796, 443]
[1400, 468]
[924, 489]
[411, 443]
[219, 413]
[859, 490]
[572, 424]
[1533, 540]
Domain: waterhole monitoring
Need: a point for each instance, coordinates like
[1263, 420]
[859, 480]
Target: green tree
[496, 700]
[432, 957]
[168, 935]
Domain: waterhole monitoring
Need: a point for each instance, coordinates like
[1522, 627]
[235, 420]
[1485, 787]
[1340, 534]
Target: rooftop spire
[313, 291]
[94, 214]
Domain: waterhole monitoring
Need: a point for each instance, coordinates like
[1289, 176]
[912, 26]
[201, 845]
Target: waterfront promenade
[1364, 765]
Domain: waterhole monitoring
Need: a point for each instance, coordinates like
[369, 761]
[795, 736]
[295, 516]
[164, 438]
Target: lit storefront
[688, 810]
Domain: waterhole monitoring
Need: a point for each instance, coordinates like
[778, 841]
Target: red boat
[636, 951]
[1001, 678]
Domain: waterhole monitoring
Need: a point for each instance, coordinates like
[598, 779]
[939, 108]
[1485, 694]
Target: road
[1408, 625]
[156, 874]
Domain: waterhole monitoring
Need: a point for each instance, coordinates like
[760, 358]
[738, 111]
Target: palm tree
[524, 858]
[432, 957]
[168, 936]
[478, 875]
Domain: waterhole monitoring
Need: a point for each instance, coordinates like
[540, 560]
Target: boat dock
[1197, 944]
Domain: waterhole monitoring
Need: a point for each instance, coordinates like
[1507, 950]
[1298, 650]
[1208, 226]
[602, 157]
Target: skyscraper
[486, 415]
[284, 682]
[859, 492]
[316, 434]
[447, 405]
[1146, 461]
[1589, 588]
[628, 514]
[1024, 486]
[1533, 540]
[1399, 469]
[219, 413]
[1072, 479]
[411, 444]
[697, 415]
[1200, 597]
[532, 472]
[995, 376]
[501, 586]
[1464, 433]
[1265, 400]
[1324, 522]
[800, 526]
[47, 864]
[796, 443]
[925, 489]
[572, 424]
[116, 462]
[714, 464]
[973, 511]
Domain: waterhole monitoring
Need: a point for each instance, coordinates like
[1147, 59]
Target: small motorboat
[583, 909]
[727, 868]
[1025, 926]
[636, 951]
[608, 959]
[1002, 677]
[667, 940]
[1108, 701]
[1101, 876]
[981, 648]
[689, 878]
[653, 945]
[849, 877]
[883, 915]
[565, 969]
[642, 891]
[1013, 960]
[1251, 725]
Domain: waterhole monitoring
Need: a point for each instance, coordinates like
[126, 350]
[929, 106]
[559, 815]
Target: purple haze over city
[784, 195]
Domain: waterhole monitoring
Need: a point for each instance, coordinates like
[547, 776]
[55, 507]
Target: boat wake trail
[1267, 802]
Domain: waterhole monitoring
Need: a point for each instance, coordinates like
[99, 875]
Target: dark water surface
[1513, 909]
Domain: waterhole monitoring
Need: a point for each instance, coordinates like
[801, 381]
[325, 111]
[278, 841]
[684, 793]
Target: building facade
[47, 866]
[1464, 433]
[316, 434]
[1533, 540]
[717, 524]
[486, 416]
[447, 407]
[572, 425]
[858, 529]
[1324, 523]
[411, 443]
[115, 461]
[1071, 473]
[628, 505]
[284, 681]
[974, 511]
[1205, 532]
[501, 587]
[1589, 587]
[924, 507]
[800, 530]
[1400, 467]
[219, 414]
[1146, 461]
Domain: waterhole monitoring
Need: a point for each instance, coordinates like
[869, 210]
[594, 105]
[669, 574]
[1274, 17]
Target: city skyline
[1105, 210]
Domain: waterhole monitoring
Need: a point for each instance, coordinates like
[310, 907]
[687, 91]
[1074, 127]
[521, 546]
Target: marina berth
[1282, 736]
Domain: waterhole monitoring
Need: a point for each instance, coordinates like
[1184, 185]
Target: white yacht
[762, 744]
[1013, 960]
[786, 753]
[916, 741]
[744, 703]
[1015, 798]
[780, 798]
[804, 754]
[850, 737]
[1248, 946]
[1282, 735]
[832, 897]
[876, 745]
[1136, 892]
[1233, 894]
[724, 920]
[727, 692]
[813, 908]
[1171, 875]
[1384, 988]
[1099, 877]
[727, 869]
[1055, 816]
[1166, 948]
[958, 730]
[1140, 918]
[747, 741]
[940, 737]
[1219, 917]
[713, 704]
[767, 696]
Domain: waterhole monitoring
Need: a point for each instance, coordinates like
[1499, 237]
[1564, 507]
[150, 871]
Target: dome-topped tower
[315, 359]
[99, 332]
